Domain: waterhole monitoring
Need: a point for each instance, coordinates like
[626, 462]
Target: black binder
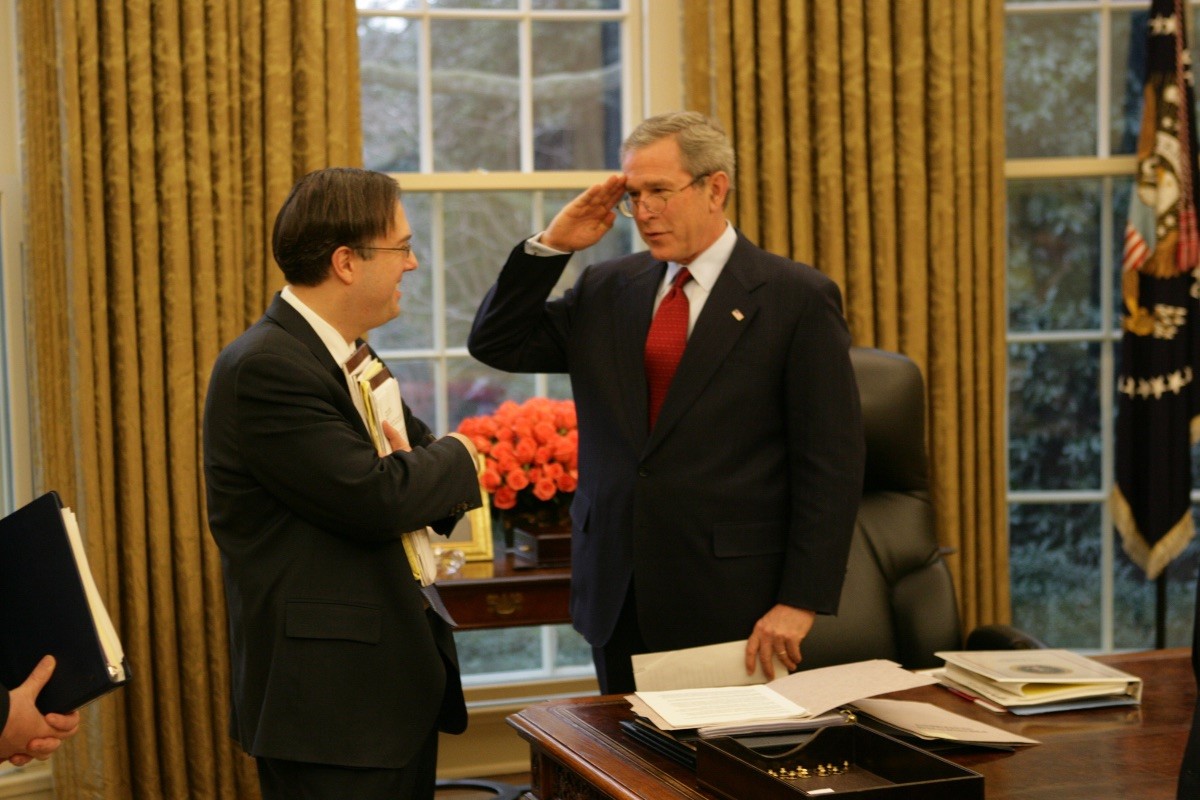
[44, 600]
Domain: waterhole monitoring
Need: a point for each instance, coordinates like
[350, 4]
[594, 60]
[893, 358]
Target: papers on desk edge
[376, 395]
[53, 607]
[797, 699]
[811, 699]
[1035, 681]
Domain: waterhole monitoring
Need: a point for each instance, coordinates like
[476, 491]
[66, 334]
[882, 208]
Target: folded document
[800, 696]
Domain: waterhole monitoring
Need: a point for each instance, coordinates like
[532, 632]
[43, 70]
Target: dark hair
[327, 209]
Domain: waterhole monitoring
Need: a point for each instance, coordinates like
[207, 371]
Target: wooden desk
[500, 595]
[579, 751]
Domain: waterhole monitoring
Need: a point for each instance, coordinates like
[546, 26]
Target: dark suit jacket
[744, 495]
[334, 659]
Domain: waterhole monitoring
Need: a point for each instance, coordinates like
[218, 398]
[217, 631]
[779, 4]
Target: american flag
[1158, 399]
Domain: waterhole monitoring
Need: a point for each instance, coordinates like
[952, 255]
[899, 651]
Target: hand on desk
[778, 634]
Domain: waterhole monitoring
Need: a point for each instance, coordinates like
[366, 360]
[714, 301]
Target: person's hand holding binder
[27, 734]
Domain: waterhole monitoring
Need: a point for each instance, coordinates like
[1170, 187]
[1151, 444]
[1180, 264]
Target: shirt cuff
[533, 247]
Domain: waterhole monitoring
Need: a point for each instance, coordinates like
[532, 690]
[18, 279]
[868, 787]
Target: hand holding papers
[801, 696]
[376, 394]
[697, 668]
[671, 697]
[53, 607]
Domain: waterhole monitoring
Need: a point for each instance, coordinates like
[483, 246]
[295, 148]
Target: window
[1074, 73]
[492, 114]
[16, 463]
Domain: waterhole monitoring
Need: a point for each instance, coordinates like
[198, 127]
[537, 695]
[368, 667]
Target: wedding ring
[781, 652]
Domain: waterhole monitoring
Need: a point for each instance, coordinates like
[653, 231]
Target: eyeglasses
[405, 249]
[655, 200]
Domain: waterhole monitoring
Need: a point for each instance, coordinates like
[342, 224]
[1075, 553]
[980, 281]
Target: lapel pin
[738, 315]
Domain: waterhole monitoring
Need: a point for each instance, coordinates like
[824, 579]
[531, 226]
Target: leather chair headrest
[892, 394]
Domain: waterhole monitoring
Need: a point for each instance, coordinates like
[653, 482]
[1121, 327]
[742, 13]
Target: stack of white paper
[376, 395]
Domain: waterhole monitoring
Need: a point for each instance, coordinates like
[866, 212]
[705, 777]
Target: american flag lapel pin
[738, 315]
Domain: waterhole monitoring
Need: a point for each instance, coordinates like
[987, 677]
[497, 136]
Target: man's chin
[659, 249]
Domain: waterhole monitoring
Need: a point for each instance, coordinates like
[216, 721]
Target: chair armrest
[1002, 637]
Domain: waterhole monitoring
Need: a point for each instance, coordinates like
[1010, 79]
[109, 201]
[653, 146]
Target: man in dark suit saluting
[720, 440]
[342, 671]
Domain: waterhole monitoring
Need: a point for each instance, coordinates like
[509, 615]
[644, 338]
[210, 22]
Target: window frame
[651, 47]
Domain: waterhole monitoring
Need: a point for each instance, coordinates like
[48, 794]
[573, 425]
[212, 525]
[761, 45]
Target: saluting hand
[586, 219]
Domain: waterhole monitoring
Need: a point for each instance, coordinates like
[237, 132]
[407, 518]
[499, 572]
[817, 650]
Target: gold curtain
[160, 138]
[870, 143]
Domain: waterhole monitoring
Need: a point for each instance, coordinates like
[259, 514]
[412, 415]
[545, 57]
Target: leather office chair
[473, 788]
[898, 600]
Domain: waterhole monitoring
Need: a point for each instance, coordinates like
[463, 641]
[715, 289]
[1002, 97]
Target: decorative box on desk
[541, 547]
[847, 761]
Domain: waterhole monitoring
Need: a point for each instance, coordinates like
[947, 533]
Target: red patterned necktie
[666, 341]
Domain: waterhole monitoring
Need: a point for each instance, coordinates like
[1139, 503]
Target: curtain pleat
[161, 137]
[869, 136]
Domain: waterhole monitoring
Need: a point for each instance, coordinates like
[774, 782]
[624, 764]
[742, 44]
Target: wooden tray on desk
[579, 750]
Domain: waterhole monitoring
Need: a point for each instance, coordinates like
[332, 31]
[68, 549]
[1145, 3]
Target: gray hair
[702, 141]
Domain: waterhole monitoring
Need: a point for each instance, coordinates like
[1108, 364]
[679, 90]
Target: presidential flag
[1158, 397]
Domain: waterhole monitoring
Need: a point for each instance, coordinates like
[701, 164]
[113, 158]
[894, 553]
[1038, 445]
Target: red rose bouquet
[531, 459]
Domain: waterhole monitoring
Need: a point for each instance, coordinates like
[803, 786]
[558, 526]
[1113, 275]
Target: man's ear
[718, 185]
[343, 264]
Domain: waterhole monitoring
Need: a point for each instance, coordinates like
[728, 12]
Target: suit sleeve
[3, 706]
[301, 447]
[516, 328]
[826, 453]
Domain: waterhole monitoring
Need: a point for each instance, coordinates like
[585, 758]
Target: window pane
[475, 95]
[1050, 84]
[1054, 254]
[388, 5]
[573, 649]
[1128, 77]
[1054, 568]
[576, 94]
[476, 389]
[388, 61]
[414, 328]
[1134, 615]
[576, 5]
[501, 650]
[1054, 416]
[485, 4]
[418, 386]
[480, 228]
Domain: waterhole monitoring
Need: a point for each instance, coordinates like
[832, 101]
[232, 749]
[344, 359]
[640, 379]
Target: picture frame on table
[472, 536]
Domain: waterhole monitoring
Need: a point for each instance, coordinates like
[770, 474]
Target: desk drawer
[501, 606]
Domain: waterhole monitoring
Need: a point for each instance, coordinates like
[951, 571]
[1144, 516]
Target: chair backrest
[898, 600]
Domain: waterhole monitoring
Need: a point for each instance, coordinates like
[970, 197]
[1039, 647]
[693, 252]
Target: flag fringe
[1152, 560]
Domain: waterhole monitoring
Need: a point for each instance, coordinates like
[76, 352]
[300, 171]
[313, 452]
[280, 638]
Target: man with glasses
[342, 669]
[720, 440]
